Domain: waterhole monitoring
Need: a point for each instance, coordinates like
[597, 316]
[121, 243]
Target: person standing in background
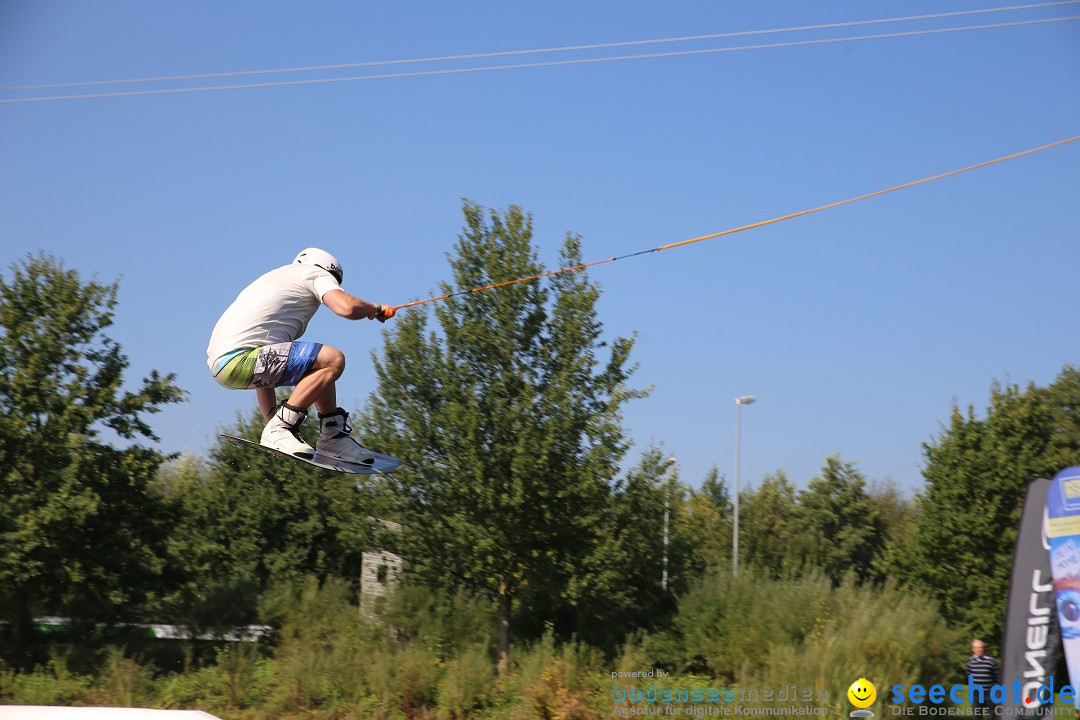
[983, 674]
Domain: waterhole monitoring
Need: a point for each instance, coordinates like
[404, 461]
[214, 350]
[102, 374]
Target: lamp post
[739, 402]
[667, 510]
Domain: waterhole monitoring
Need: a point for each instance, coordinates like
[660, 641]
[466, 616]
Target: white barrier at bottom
[31, 712]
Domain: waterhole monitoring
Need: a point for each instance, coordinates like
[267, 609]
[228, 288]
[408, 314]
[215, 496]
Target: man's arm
[349, 306]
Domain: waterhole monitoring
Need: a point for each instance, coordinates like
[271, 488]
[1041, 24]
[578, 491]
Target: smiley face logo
[862, 693]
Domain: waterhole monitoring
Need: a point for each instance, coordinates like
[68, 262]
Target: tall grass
[883, 634]
[430, 657]
[753, 632]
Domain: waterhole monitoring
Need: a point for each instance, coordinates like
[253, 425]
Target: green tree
[896, 510]
[977, 471]
[706, 525]
[508, 418]
[640, 561]
[80, 533]
[767, 515]
[838, 527]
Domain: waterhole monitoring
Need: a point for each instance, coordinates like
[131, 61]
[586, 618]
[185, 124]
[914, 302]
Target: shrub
[726, 625]
[467, 684]
[52, 684]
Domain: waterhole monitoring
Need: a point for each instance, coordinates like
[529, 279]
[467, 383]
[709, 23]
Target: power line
[568, 48]
[731, 231]
[552, 63]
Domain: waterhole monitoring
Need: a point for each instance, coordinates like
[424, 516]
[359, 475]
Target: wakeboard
[383, 465]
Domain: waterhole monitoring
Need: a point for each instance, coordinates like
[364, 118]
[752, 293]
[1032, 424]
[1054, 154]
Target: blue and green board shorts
[270, 366]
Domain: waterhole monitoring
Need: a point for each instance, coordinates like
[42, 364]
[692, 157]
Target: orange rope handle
[731, 231]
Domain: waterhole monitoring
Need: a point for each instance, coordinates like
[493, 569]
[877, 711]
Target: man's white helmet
[323, 259]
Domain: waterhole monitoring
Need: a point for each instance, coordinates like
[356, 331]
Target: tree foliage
[705, 523]
[80, 534]
[838, 524]
[977, 472]
[509, 418]
[838, 527]
[641, 558]
[766, 518]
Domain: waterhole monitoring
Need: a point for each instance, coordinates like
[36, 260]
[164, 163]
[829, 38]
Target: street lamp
[739, 402]
[667, 510]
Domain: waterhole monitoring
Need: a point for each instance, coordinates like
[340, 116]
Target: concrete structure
[379, 572]
[378, 575]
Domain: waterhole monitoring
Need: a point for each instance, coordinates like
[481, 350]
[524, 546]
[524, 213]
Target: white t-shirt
[276, 308]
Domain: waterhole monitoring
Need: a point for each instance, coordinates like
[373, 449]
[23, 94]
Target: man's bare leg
[318, 386]
[267, 402]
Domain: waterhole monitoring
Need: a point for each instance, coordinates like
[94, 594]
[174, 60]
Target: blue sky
[856, 328]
